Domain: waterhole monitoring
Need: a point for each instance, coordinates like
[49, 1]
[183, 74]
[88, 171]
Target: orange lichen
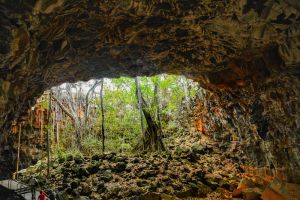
[38, 116]
[200, 126]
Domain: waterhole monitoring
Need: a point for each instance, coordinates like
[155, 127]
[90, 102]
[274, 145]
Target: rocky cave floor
[195, 172]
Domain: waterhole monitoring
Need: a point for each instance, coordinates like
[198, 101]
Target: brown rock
[243, 186]
[252, 194]
[168, 197]
[280, 190]
[270, 194]
[152, 196]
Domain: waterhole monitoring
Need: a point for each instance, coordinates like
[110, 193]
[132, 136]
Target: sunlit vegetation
[75, 124]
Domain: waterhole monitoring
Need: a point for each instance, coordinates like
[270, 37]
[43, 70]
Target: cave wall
[263, 122]
[245, 49]
[32, 146]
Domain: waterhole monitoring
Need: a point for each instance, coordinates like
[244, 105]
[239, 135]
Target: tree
[48, 135]
[157, 104]
[102, 113]
[87, 101]
[151, 139]
[139, 99]
[71, 103]
[145, 107]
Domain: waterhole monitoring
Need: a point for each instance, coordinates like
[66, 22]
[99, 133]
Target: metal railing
[19, 187]
[23, 190]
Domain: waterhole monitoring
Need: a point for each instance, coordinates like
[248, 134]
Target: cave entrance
[108, 112]
[120, 113]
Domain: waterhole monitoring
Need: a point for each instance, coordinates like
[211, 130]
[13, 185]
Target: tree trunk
[139, 99]
[54, 118]
[186, 93]
[158, 106]
[57, 121]
[48, 139]
[151, 139]
[102, 113]
[42, 126]
[75, 122]
[57, 134]
[86, 111]
[186, 100]
[64, 109]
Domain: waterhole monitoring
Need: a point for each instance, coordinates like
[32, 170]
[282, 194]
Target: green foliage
[91, 145]
[71, 152]
[122, 123]
[45, 104]
[67, 136]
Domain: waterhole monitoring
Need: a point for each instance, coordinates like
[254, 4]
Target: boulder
[181, 151]
[270, 194]
[110, 156]
[78, 159]
[83, 198]
[135, 160]
[151, 196]
[120, 166]
[201, 149]
[280, 190]
[113, 192]
[243, 185]
[185, 192]
[252, 194]
[95, 157]
[69, 158]
[74, 184]
[210, 180]
[148, 173]
[129, 167]
[82, 172]
[69, 190]
[61, 160]
[86, 189]
[92, 169]
[101, 187]
[121, 159]
[200, 174]
[168, 197]
[106, 176]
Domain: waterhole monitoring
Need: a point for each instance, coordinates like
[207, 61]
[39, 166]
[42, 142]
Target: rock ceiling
[220, 43]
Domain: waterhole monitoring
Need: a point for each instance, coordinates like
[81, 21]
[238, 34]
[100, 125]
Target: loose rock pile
[261, 183]
[198, 172]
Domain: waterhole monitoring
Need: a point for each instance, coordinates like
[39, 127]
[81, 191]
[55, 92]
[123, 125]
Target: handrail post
[19, 146]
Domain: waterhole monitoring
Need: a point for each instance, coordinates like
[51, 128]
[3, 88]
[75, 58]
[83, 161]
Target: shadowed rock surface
[245, 52]
[195, 171]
